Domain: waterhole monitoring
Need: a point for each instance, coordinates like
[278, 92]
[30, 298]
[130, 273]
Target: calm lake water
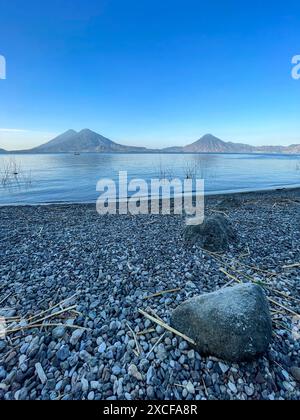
[57, 178]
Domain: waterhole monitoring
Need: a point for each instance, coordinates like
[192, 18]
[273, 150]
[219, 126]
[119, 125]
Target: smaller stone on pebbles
[2, 345]
[183, 345]
[232, 387]
[76, 336]
[84, 385]
[150, 375]
[150, 392]
[95, 384]
[91, 396]
[63, 353]
[2, 373]
[190, 388]
[40, 372]
[133, 371]
[191, 354]
[58, 332]
[224, 368]
[249, 390]
[116, 370]
[102, 348]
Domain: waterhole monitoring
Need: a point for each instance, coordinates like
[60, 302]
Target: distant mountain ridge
[88, 141]
[83, 141]
[211, 144]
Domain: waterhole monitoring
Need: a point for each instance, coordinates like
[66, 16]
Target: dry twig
[166, 326]
[163, 292]
[135, 339]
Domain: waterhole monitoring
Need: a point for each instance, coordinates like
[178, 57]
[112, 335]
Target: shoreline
[268, 192]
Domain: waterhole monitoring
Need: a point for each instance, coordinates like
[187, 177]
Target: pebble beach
[75, 287]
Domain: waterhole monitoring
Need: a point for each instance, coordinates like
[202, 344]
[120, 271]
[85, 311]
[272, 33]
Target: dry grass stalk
[155, 345]
[274, 333]
[151, 330]
[283, 307]
[12, 318]
[166, 326]
[292, 201]
[31, 326]
[273, 312]
[149, 223]
[246, 254]
[53, 307]
[255, 268]
[163, 292]
[217, 254]
[135, 339]
[285, 295]
[220, 258]
[5, 298]
[228, 284]
[230, 275]
[278, 323]
[154, 314]
[230, 266]
[37, 321]
[205, 389]
[220, 212]
[56, 314]
[276, 363]
[180, 386]
[291, 266]
[270, 299]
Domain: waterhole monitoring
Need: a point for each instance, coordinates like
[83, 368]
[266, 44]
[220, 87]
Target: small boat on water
[76, 153]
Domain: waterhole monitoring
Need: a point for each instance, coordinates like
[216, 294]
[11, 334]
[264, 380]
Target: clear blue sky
[150, 72]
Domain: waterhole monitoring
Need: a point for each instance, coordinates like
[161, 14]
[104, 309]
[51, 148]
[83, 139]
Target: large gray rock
[214, 234]
[233, 324]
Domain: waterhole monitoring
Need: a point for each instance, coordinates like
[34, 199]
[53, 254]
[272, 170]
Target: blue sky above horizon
[149, 73]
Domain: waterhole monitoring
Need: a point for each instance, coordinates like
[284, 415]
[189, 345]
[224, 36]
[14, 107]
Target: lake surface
[69, 178]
